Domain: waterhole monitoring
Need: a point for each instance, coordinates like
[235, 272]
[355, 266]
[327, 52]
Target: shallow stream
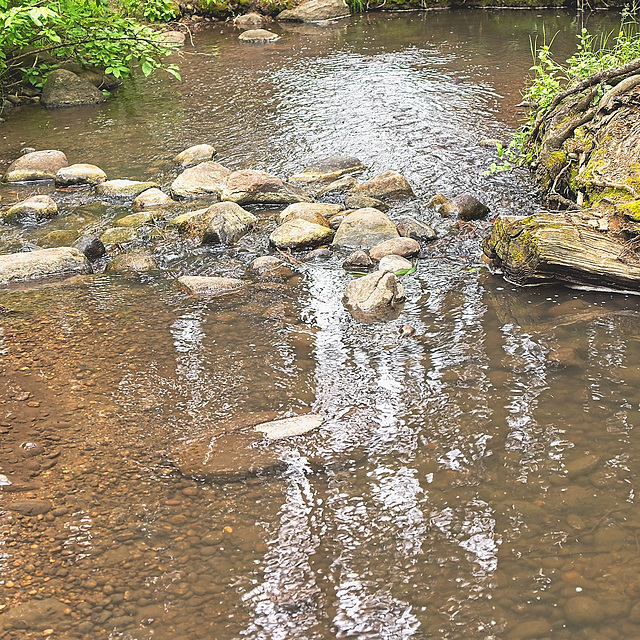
[486, 467]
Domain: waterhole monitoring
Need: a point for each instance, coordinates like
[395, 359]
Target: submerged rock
[329, 169]
[356, 201]
[316, 10]
[135, 220]
[337, 190]
[58, 238]
[151, 198]
[118, 235]
[79, 175]
[33, 209]
[195, 155]
[258, 35]
[64, 88]
[288, 427]
[30, 507]
[257, 187]
[397, 246]
[271, 267]
[298, 233]
[376, 297]
[37, 165]
[123, 189]
[32, 614]
[412, 228]
[363, 229]
[205, 179]
[389, 185]
[466, 206]
[39, 264]
[212, 286]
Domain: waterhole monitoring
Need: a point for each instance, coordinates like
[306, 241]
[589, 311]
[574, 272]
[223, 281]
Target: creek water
[487, 464]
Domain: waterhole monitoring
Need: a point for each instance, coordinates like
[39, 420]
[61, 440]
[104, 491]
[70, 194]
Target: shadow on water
[483, 470]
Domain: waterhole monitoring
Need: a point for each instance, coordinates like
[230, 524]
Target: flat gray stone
[288, 427]
[329, 169]
[258, 35]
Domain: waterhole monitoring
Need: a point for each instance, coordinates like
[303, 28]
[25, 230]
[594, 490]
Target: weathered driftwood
[547, 247]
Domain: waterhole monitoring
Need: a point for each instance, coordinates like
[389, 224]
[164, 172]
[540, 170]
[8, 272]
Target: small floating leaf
[405, 272]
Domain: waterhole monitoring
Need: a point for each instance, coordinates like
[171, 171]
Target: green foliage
[550, 78]
[356, 6]
[150, 10]
[38, 35]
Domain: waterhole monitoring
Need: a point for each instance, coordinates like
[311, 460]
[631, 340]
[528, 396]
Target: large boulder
[258, 35]
[257, 187]
[299, 233]
[389, 185]
[205, 179]
[227, 224]
[212, 286]
[315, 11]
[79, 175]
[329, 169]
[64, 88]
[37, 165]
[363, 229]
[376, 297]
[195, 155]
[123, 189]
[39, 264]
[33, 209]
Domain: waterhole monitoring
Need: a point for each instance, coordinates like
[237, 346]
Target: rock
[80, 174]
[173, 38]
[329, 169]
[288, 427]
[297, 234]
[363, 229]
[337, 190]
[191, 224]
[123, 189]
[581, 466]
[404, 247]
[39, 264]
[317, 254]
[205, 179]
[227, 458]
[530, 629]
[308, 215]
[465, 206]
[316, 209]
[32, 614]
[356, 201]
[228, 223]
[336, 221]
[257, 187]
[33, 209]
[389, 185]
[58, 238]
[30, 507]
[137, 262]
[469, 208]
[583, 611]
[359, 260]
[212, 286]
[91, 246]
[376, 297]
[412, 228]
[271, 267]
[394, 264]
[118, 235]
[316, 10]
[38, 165]
[195, 155]
[135, 220]
[64, 88]
[150, 199]
[249, 21]
[258, 35]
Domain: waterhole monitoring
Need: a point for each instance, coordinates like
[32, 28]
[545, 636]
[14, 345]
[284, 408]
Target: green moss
[631, 210]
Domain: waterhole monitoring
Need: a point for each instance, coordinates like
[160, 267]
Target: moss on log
[561, 247]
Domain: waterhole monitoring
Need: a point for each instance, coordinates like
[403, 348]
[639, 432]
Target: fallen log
[549, 247]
